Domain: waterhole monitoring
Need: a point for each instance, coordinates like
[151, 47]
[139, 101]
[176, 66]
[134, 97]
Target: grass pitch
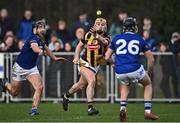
[49, 112]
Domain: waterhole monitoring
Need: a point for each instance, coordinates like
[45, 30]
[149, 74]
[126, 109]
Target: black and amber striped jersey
[93, 49]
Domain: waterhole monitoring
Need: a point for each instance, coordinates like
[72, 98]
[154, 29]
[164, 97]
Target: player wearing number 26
[127, 48]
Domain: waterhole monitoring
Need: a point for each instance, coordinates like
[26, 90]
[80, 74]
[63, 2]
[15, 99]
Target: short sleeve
[87, 36]
[108, 38]
[111, 46]
[33, 41]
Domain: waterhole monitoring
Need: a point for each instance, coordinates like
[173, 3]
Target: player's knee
[39, 88]
[148, 83]
[81, 86]
[14, 93]
[91, 83]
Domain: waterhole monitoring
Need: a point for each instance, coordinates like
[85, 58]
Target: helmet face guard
[130, 25]
[100, 25]
[39, 23]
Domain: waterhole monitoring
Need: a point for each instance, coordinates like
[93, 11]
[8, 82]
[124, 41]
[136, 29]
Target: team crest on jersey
[92, 47]
[146, 46]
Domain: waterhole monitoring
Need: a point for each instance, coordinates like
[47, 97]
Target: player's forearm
[49, 53]
[109, 59]
[36, 49]
[108, 56]
[150, 61]
[77, 52]
[150, 65]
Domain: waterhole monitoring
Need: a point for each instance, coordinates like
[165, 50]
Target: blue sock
[147, 106]
[123, 104]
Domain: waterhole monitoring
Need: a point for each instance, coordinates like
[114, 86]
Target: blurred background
[69, 20]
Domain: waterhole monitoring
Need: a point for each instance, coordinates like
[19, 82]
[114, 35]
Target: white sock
[147, 106]
[122, 108]
[7, 83]
[148, 111]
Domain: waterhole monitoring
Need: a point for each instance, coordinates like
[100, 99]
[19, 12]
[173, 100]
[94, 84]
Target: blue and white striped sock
[147, 106]
[123, 104]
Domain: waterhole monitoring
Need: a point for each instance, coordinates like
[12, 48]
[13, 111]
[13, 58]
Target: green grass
[18, 112]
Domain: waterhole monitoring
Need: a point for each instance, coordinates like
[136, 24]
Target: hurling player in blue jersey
[127, 47]
[25, 67]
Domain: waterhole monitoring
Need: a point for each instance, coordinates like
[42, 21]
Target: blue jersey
[127, 47]
[27, 58]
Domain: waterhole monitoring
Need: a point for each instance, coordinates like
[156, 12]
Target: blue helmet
[130, 25]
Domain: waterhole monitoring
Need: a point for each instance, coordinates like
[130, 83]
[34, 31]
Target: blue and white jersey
[27, 58]
[127, 47]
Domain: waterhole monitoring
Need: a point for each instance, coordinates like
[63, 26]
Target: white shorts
[134, 76]
[83, 63]
[20, 74]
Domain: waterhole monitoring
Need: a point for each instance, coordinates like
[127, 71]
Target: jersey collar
[129, 33]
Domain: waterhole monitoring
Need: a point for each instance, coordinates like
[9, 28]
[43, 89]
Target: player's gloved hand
[92, 31]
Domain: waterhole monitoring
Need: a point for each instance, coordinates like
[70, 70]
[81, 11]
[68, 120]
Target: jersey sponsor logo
[14, 75]
[146, 46]
[93, 47]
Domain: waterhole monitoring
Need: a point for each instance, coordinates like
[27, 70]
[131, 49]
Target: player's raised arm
[103, 40]
[98, 30]
[150, 60]
[77, 52]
